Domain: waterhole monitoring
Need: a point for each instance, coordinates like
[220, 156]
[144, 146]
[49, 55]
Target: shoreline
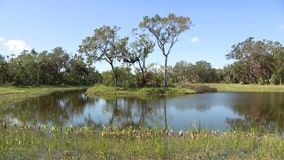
[12, 94]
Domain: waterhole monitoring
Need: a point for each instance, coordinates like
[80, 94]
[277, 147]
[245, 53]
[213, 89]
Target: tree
[25, 68]
[180, 71]
[140, 50]
[125, 77]
[104, 45]
[77, 71]
[204, 71]
[166, 31]
[3, 69]
[57, 64]
[258, 57]
[278, 62]
[154, 75]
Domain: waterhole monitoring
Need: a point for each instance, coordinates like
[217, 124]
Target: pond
[211, 111]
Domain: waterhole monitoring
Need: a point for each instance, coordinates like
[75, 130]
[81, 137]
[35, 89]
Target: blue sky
[218, 24]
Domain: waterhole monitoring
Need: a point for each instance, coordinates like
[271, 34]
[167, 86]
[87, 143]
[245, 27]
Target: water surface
[212, 111]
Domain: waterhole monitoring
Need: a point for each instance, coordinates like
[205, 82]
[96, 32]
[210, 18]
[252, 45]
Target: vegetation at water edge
[25, 142]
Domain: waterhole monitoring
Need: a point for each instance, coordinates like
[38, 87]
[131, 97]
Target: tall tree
[166, 31]
[258, 56]
[139, 52]
[104, 45]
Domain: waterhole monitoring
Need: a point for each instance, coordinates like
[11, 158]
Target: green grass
[10, 90]
[11, 94]
[246, 87]
[91, 143]
[107, 90]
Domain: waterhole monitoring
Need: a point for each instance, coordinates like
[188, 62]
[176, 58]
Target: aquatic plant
[136, 143]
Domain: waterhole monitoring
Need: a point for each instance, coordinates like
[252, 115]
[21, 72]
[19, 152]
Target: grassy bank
[107, 90]
[88, 143]
[246, 87]
[11, 94]
[183, 89]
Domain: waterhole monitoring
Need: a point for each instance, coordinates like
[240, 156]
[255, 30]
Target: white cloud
[194, 39]
[2, 39]
[17, 45]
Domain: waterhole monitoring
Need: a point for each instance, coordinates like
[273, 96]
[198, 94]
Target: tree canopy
[105, 45]
[139, 52]
[166, 31]
[258, 61]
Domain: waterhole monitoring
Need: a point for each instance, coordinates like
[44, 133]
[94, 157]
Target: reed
[129, 143]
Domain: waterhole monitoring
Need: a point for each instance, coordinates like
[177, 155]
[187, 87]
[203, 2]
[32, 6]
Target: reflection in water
[264, 111]
[218, 111]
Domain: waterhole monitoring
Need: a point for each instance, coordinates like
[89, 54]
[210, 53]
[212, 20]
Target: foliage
[166, 31]
[105, 45]
[54, 68]
[257, 61]
[3, 70]
[139, 52]
[29, 142]
[200, 72]
[124, 77]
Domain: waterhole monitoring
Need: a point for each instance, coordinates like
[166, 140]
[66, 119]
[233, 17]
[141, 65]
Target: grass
[246, 87]
[113, 143]
[11, 94]
[106, 90]
[9, 90]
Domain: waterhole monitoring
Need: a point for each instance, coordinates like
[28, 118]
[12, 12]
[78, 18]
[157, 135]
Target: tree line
[46, 68]
[259, 62]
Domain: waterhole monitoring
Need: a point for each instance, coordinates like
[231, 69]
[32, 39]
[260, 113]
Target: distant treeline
[259, 62]
[46, 68]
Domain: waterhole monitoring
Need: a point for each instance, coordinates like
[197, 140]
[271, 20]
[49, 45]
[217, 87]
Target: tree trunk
[1, 79]
[142, 68]
[280, 79]
[165, 114]
[166, 71]
[115, 75]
